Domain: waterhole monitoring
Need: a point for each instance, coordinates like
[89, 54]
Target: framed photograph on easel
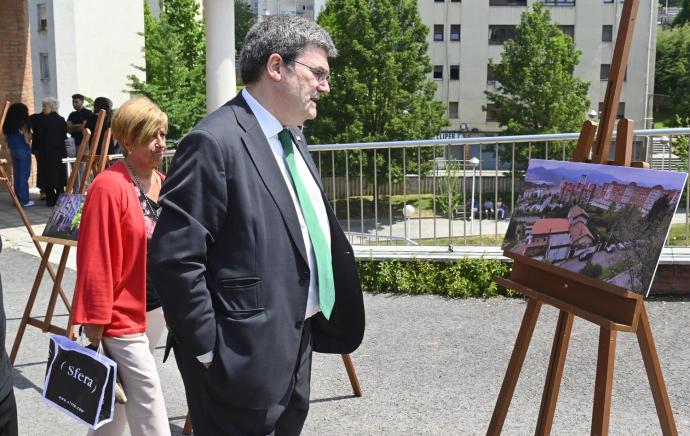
[64, 222]
[603, 221]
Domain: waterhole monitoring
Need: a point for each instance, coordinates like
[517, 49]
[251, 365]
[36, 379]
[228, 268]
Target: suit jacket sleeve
[194, 203]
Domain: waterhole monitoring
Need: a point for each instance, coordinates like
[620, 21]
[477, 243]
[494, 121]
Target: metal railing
[436, 178]
[420, 193]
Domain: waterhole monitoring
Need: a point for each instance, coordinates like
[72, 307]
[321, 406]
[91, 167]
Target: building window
[491, 74]
[491, 113]
[453, 109]
[455, 1]
[455, 32]
[45, 72]
[606, 33]
[605, 71]
[438, 72]
[42, 15]
[455, 72]
[439, 1]
[559, 2]
[507, 2]
[438, 32]
[621, 109]
[501, 33]
[568, 30]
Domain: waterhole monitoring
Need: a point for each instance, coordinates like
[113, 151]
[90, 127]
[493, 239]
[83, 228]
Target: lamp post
[474, 162]
[408, 211]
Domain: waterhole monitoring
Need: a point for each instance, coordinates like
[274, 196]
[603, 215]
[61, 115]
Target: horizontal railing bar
[484, 140]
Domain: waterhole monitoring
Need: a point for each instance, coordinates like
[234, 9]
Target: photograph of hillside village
[603, 221]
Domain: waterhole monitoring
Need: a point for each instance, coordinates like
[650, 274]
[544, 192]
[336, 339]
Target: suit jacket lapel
[261, 155]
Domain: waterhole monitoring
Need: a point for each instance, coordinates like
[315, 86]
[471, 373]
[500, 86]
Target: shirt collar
[268, 123]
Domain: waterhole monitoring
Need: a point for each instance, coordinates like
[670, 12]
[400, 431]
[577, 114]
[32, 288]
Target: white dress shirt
[271, 127]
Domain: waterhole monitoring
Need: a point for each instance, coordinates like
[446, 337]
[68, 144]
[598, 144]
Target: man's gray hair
[281, 34]
[52, 103]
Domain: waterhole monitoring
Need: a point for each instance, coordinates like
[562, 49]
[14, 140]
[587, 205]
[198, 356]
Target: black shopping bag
[80, 382]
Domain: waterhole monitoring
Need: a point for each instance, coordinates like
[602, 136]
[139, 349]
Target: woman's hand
[94, 333]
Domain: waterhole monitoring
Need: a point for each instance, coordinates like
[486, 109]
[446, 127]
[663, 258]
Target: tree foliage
[673, 71]
[244, 20]
[174, 50]
[539, 92]
[683, 16]
[380, 88]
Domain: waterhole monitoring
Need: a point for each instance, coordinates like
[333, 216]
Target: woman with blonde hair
[112, 300]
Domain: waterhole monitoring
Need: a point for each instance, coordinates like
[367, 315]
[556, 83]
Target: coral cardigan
[111, 256]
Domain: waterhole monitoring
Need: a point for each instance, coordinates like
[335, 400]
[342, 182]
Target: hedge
[458, 279]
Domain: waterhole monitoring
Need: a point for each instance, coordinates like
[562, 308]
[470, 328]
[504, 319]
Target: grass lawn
[676, 237]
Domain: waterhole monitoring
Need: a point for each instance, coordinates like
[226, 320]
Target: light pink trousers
[145, 409]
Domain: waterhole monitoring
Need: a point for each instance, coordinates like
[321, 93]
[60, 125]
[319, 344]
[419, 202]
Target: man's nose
[324, 87]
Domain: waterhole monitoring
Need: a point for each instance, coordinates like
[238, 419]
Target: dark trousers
[21, 163]
[283, 419]
[8, 416]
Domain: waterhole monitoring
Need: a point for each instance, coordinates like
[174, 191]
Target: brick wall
[16, 81]
[671, 279]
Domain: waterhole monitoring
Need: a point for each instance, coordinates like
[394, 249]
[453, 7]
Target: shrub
[458, 279]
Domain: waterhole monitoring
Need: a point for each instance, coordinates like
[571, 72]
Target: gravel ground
[428, 365]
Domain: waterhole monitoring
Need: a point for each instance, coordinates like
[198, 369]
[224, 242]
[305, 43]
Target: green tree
[380, 86]
[673, 71]
[683, 16]
[244, 20]
[174, 50]
[539, 93]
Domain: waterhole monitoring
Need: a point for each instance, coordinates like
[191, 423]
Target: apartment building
[304, 8]
[465, 35]
[86, 46]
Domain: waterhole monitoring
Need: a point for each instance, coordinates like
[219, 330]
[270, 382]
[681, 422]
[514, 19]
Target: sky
[643, 177]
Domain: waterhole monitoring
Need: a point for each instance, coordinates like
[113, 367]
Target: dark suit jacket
[228, 260]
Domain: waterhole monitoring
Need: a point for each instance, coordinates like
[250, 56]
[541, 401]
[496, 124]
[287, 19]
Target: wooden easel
[612, 308]
[46, 324]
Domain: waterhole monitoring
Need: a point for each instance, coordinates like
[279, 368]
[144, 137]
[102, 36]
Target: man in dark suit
[252, 267]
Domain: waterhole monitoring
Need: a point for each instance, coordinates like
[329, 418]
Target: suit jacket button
[298, 324]
[305, 274]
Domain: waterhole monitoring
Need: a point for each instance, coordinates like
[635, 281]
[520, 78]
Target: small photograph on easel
[603, 221]
[66, 217]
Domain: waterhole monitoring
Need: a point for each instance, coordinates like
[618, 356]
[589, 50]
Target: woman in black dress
[50, 131]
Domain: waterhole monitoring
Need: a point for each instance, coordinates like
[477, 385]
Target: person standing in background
[17, 130]
[76, 121]
[8, 405]
[50, 131]
[107, 105]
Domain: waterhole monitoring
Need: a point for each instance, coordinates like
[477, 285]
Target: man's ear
[274, 67]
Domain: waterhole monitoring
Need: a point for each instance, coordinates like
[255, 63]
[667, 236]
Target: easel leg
[529, 320]
[187, 430]
[604, 382]
[30, 303]
[352, 375]
[555, 373]
[654, 374]
[56, 286]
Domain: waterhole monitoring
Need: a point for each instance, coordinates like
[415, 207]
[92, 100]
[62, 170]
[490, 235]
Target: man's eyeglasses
[319, 73]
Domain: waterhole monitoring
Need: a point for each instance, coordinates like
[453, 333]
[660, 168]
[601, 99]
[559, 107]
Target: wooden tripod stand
[612, 308]
[46, 324]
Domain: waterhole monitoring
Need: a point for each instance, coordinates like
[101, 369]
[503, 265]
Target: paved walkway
[428, 366]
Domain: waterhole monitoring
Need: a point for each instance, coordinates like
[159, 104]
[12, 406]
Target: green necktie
[324, 266]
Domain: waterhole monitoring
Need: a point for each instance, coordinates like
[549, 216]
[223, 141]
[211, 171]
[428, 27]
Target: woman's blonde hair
[137, 121]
